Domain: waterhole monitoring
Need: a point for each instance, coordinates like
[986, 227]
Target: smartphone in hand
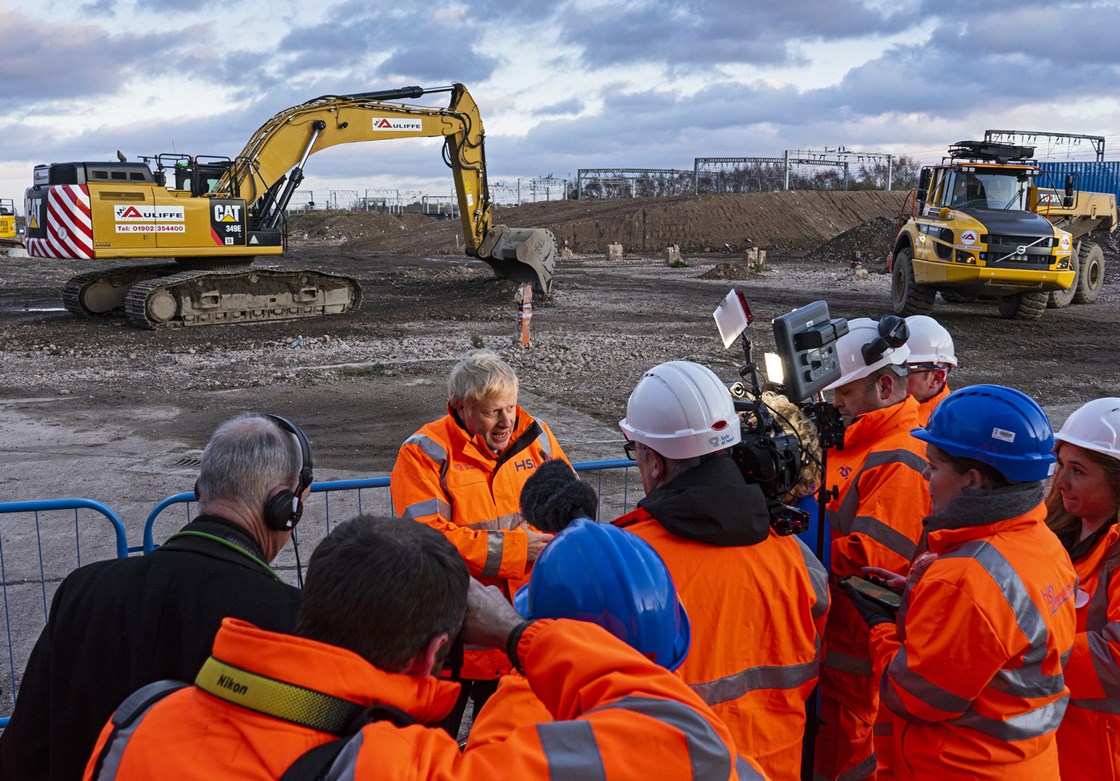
[874, 592]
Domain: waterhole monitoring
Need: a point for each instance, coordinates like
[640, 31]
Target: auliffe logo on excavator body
[397, 125]
[123, 213]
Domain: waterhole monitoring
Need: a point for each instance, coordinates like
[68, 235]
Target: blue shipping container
[1102, 177]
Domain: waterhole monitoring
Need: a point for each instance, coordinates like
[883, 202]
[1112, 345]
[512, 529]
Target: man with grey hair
[117, 625]
[462, 475]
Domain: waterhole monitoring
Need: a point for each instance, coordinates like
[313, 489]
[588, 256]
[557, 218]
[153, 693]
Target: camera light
[774, 371]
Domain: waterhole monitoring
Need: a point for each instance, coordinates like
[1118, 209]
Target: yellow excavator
[7, 219]
[212, 216]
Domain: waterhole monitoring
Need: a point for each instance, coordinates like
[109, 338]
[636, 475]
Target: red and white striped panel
[69, 226]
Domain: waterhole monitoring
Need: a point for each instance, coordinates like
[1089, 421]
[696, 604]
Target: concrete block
[614, 252]
[673, 255]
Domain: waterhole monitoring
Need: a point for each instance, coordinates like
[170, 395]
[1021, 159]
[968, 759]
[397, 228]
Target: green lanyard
[215, 538]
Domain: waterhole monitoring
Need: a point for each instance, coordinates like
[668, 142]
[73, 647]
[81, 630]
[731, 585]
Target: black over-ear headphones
[283, 511]
[893, 333]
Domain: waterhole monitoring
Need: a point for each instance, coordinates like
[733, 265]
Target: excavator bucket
[521, 254]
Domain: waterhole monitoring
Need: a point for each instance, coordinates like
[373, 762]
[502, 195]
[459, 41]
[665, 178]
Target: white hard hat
[865, 349]
[682, 410]
[1094, 426]
[929, 342]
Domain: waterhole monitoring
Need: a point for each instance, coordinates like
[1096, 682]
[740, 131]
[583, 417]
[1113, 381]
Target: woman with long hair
[1083, 509]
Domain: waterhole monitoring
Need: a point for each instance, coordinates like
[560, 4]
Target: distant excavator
[212, 216]
[7, 219]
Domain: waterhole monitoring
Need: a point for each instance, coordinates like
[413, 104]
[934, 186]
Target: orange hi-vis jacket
[1089, 737]
[757, 611]
[611, 705]
[925, 408]
[514, 704]
[875, 520]
[972, 673]
[452, 481]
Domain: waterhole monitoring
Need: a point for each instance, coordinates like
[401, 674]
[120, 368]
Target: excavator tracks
[101, 293]
[212, 297]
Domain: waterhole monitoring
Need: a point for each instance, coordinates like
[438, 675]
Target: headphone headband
[283, 511]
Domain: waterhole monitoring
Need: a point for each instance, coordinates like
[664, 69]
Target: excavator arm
[269, 169]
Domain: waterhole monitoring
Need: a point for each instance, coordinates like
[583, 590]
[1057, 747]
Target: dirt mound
[868, 243]
[341, 227]
[736, 269]
[782, 223]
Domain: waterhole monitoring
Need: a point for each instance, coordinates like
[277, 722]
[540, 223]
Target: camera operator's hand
[490, 616]
[872, 613]
[885, 578]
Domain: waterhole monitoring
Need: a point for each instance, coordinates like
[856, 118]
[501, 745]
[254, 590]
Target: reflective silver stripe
[917, 686]
[1027, 725]
[345, 764]
[865, 769]
[485, 526]
[504, 523]
[113, 753]
[495, 544]
[832, 517]
[734, 686]
[884, 534]
[432, 449]
[707, 753]
[848, 664]
[842, 518]
[1110, 705]
[746, 772]
[419, 510]
[1103, 635]
[571, 751]
[818, 576]
[544, 443]
[1026, 682]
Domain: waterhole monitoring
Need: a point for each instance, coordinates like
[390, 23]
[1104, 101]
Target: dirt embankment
[785, 223]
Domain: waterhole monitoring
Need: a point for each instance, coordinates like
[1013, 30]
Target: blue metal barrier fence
[28, 577]
[25, 577]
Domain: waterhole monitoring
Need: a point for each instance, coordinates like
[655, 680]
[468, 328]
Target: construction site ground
[103, 410]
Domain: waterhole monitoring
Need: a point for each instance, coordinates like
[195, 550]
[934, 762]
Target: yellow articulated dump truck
[210, 217]
[978, 228]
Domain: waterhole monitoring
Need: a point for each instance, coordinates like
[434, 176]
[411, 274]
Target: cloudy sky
[561, 84]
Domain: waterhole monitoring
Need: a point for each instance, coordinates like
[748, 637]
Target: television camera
[783, 433]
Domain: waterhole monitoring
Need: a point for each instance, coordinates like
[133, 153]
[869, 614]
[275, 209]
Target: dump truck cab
[973, 232]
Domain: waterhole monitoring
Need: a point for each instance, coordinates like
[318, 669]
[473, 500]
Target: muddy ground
[84, 401]
[102, 410]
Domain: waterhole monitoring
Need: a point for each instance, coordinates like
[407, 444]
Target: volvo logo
[1021, 249]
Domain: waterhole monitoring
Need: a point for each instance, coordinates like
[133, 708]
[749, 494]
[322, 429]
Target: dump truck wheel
[1059, 299]
[908, 297]
[1090, 274]
[1023, 306]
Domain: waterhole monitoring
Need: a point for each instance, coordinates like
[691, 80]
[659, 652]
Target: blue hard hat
[1001, 427]
[599, 573]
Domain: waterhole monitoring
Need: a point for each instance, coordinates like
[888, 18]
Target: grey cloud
[572, 106]
[46, 61]
[706, 32]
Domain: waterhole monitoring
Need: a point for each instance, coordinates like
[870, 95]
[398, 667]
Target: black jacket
[711, 503]
[117, 625]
